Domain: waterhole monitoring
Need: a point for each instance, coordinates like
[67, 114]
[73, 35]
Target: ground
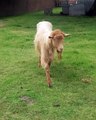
[24, 94]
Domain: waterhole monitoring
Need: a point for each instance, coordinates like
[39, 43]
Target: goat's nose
[61, 49]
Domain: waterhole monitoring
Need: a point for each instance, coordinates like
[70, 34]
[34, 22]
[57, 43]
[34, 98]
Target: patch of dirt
[2, 25]
[27, 100]
[56, 104]
[86, 80]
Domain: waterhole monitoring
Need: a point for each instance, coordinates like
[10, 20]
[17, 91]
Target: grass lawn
[24, 94]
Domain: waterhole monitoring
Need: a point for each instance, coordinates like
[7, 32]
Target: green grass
[24, 94]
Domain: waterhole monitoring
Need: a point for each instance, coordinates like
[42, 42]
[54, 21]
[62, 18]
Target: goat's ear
[65, 35]
[50, 37]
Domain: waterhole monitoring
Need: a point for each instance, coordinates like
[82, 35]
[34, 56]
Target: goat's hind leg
[39, 62]
[47, 70]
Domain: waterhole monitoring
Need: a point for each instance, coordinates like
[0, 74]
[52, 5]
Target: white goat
[46, 41]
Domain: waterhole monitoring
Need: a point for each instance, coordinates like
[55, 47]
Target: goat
[46, 42]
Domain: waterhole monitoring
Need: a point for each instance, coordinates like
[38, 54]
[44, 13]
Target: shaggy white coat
[46, 41]
[42, 42]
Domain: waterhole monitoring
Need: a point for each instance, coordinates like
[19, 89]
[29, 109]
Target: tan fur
[46, 42]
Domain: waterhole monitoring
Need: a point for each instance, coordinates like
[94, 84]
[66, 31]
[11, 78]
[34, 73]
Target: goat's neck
[51, 47]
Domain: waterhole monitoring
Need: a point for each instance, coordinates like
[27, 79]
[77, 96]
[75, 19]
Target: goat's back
[44, 26]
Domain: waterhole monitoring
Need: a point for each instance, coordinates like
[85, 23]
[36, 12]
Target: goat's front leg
[51, 56]
[49, 63]
[59, 55]
[47, 70]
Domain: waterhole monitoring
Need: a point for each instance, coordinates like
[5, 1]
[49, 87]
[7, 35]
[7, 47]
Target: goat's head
[57, 39]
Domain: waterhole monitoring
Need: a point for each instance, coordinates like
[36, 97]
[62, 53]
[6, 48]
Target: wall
[15, 7]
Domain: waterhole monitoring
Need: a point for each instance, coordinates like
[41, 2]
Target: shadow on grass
[68, 73]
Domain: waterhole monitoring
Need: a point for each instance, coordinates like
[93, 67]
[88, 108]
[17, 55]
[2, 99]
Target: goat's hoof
[50, 85]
